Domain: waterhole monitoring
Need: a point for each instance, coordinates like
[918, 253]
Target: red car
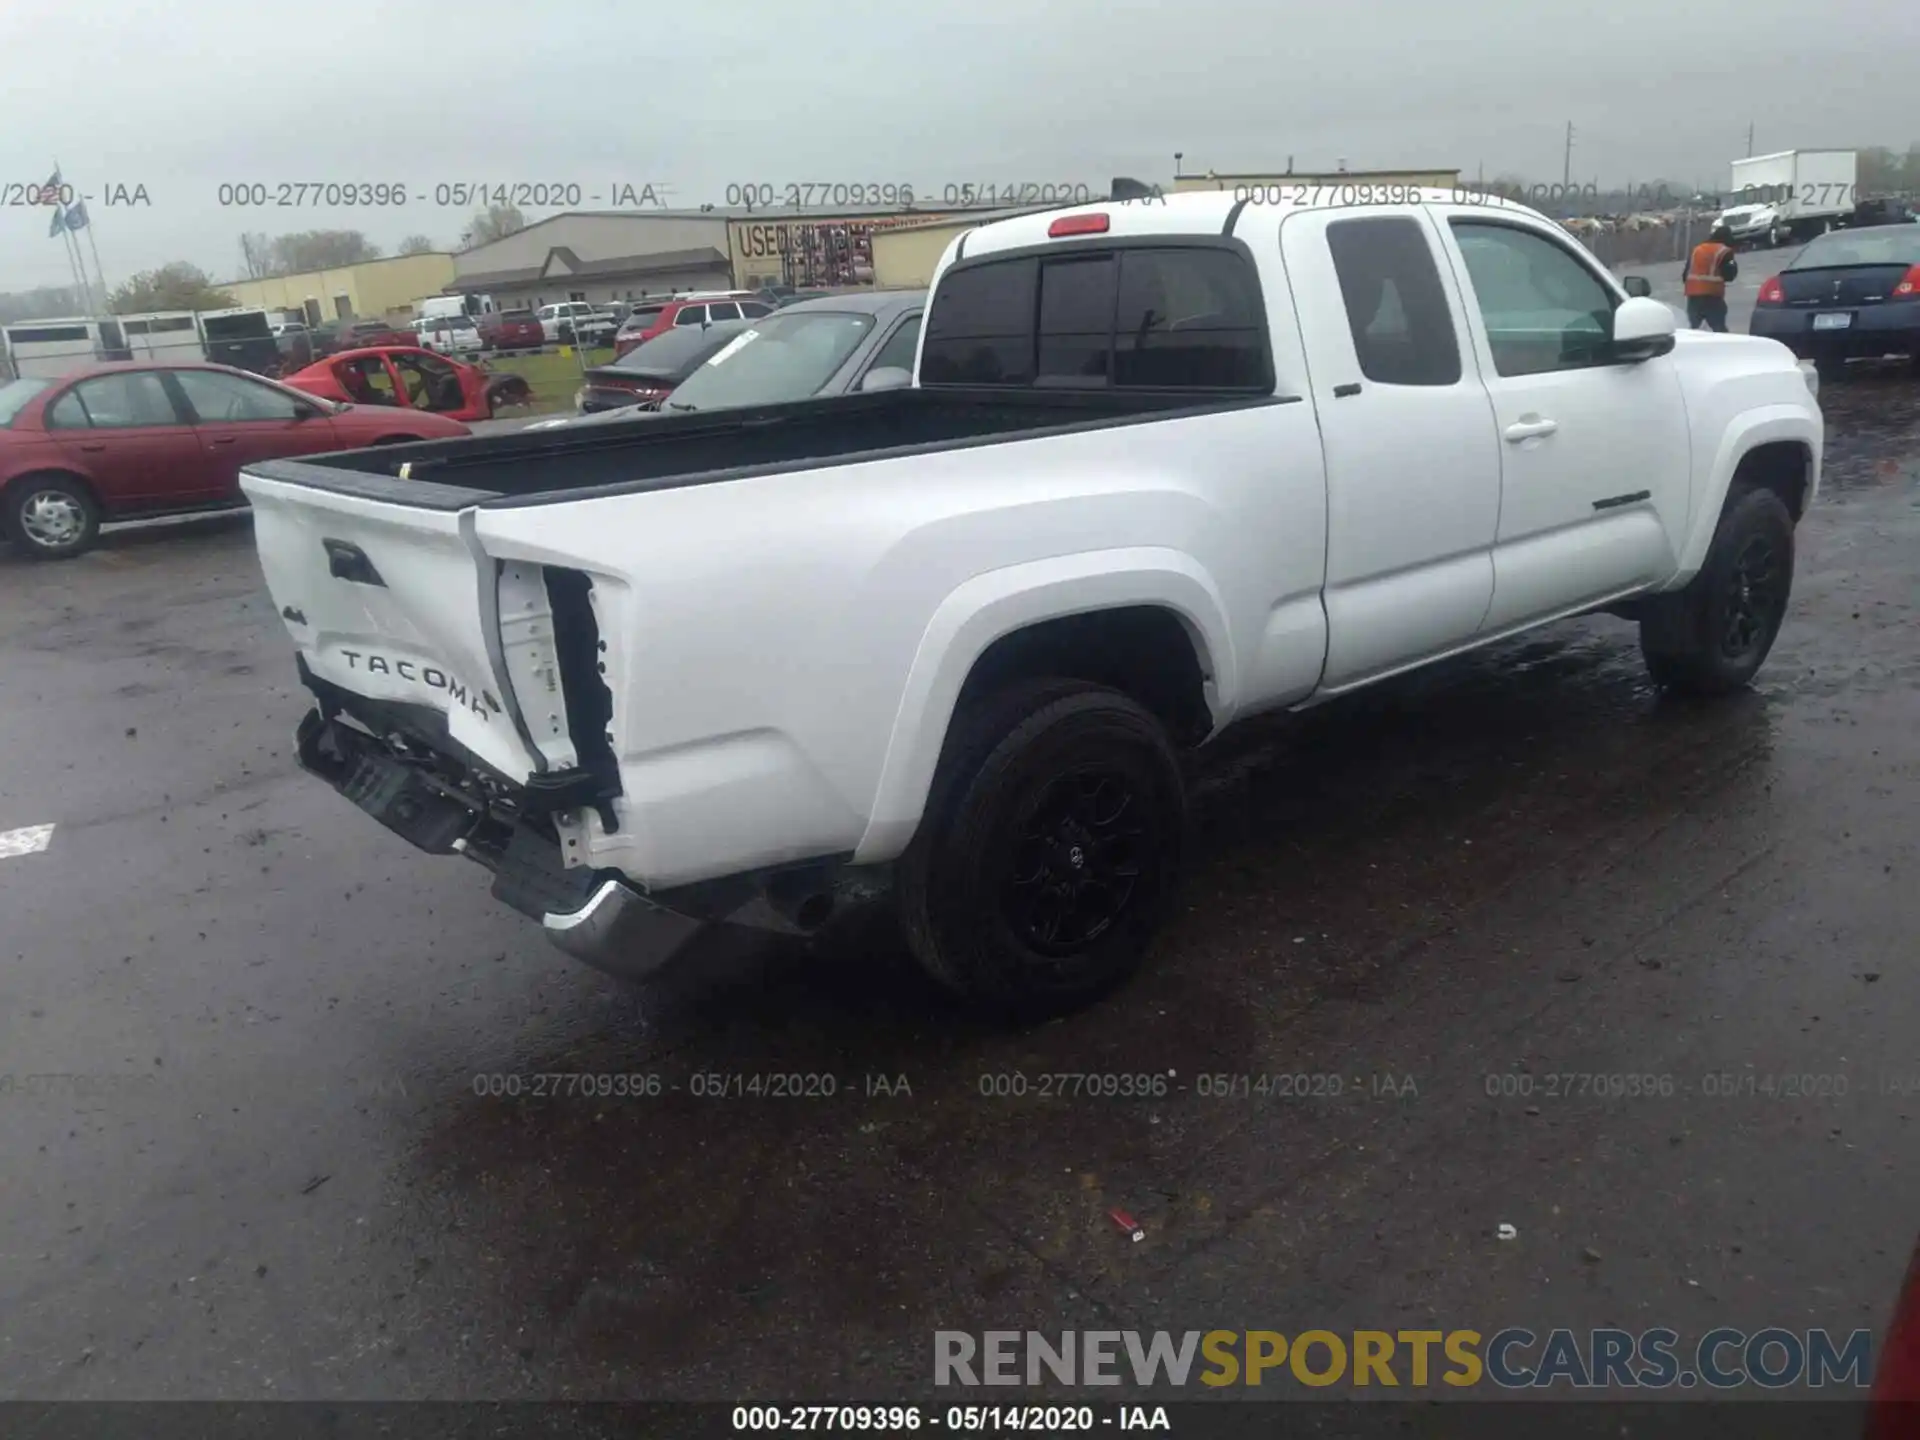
[655, 317]
[116, 441]
[510, 330]
[416, 379]
[1894, 1412]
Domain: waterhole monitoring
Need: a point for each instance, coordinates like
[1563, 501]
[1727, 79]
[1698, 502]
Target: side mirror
[1638, 286]
[1642, 329]
[886, 377]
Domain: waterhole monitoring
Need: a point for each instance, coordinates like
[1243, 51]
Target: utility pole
[1749, 138]
[1566, 167]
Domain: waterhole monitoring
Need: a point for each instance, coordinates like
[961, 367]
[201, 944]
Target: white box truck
[1792, 196]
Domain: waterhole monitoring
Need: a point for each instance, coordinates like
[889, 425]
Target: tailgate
[396, 603]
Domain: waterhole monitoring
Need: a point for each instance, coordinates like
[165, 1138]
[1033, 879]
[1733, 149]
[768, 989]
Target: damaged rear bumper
[413, 784]
[620, 931]
[595, 916]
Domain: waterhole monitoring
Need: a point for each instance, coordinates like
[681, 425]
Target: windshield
[1897, 245]
[14, 396]
[782, 357]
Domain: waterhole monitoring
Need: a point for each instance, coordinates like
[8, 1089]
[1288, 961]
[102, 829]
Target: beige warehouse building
[376, 289]
[905, 256]
[600, 256]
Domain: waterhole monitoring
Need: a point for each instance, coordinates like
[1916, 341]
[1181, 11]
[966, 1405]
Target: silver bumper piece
[620, 931]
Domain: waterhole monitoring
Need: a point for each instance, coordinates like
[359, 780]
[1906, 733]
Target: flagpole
[73, 246]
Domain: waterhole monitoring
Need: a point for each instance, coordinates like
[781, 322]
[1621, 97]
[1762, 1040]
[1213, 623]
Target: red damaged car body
[412, 378]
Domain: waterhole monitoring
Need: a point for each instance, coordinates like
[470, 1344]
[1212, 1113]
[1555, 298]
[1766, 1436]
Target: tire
[1712, 637]
[1048, 851]
[50, 517]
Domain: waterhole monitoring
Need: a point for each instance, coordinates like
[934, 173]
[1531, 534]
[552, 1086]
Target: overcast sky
[182, 97]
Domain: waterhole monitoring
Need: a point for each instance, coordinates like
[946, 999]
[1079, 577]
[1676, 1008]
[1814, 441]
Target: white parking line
[26, 841]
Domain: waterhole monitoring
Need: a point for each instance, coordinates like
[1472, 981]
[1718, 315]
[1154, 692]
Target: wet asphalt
[270, 1175]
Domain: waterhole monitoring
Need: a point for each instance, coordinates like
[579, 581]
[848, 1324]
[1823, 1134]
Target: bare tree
[495, 223]
[42, 303]
[256, 254]
[321, 250]
[417, 245]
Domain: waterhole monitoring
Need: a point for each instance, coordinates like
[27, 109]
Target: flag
[59, 221]
[54, 183]
[77, 215]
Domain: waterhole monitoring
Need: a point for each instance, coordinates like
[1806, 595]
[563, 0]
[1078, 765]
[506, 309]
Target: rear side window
[691, 315]
[1131, 317]
[1402, 329]
[980, 330]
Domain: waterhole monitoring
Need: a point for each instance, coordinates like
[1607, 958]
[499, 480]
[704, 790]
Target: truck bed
[661, 451]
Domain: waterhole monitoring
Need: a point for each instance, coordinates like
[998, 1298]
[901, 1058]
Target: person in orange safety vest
[1708, 270]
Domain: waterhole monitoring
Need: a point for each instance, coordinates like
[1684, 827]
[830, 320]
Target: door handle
[224, 440]
[1341, 392]
[93, 449]
[1528, 429]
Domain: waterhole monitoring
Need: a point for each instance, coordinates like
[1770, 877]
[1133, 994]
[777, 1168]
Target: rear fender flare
[996, 604]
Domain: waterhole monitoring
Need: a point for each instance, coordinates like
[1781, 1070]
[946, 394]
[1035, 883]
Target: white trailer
[59, 346]
[163, 335]
[1807, 192]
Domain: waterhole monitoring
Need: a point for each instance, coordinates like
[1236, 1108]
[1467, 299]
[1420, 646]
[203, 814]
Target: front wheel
[51, 517]
[1712, 637]
[1048, 850]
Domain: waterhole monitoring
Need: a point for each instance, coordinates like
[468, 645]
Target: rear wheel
[1712, 637]
[51, 517]
[1049, 848]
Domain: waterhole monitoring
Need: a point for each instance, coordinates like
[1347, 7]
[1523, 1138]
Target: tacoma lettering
[480, 702]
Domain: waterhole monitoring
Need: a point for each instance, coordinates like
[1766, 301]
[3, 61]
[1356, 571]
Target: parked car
[575, 321]
[119, 441]
[507, 330]
[1162, 467]
[448, 335]
[295, 343]
[1894, 1401]
[1848, 295]
[334, 336]
[845, 343]
[649, 374]
[413, 378]
[653, 318]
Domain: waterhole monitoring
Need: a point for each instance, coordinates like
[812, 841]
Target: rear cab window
[1158, 315]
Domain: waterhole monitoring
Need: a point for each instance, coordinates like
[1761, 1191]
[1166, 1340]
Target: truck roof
[1206, 212]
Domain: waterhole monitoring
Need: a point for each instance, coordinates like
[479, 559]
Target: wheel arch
[1149, 622]
[1774, 448]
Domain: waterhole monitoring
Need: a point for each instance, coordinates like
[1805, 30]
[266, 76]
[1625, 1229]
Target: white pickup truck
[1165, 466]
